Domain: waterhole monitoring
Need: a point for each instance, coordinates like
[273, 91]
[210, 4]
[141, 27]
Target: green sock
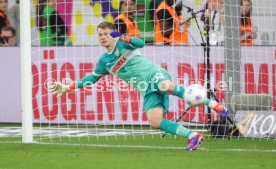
[174, 128]
[183, 131]
[179, 91]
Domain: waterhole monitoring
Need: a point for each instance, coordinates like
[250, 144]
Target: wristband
[126, 39]
[72, 86]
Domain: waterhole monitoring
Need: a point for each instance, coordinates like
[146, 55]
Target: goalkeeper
[124, 60]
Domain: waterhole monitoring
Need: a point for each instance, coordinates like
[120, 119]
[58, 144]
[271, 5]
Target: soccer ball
[195, 95]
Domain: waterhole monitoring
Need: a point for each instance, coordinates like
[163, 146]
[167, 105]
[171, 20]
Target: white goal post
[26, 73]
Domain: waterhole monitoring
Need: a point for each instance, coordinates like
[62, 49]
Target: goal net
[238, 68]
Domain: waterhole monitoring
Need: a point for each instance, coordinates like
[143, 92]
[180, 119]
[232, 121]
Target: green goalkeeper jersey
[127, 63]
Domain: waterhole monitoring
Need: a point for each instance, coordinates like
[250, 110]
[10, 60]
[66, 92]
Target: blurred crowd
[9, 24]
[170, 27]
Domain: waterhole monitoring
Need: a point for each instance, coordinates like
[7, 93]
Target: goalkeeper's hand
[224, 112]
[115, 35]
[59, 89]
[118, 36]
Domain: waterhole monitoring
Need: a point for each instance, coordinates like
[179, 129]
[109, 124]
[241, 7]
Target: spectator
[216, 21]
[169, 24]
[125, 22]
[50, 24]
[215, 5]
[248, 33]
[14, 18]
[153, 6]
[8, 36]
[3, 18]
[215, 14]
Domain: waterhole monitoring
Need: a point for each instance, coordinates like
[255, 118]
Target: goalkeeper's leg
[156, 120]
[161, 81]
[168, 86]
[157, 103]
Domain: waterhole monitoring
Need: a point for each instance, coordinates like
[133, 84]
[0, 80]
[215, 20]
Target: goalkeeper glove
[224, 112]
[59, 89]
[117, 35]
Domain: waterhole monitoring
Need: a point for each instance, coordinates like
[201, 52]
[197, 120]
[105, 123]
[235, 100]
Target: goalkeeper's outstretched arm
[86, 81]
[133, 43]
[59, 89]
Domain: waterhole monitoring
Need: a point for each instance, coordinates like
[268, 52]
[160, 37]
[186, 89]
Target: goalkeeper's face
[104, 38]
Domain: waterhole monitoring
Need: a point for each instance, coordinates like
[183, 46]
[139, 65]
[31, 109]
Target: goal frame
[26, 72]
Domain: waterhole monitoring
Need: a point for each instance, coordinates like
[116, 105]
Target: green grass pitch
[136, 152]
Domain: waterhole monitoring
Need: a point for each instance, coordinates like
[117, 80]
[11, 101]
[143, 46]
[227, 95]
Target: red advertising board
[107, 102]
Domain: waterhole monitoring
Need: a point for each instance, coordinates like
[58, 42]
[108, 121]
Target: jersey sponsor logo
[118, 65]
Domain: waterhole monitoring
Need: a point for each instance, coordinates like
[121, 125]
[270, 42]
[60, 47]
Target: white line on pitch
[142, 147]
[161, 147]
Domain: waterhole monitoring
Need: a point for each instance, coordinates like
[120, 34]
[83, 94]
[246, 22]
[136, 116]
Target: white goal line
[161, 147]
[55, 132]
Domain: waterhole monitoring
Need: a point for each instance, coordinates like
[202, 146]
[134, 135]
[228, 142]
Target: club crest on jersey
[117, 53]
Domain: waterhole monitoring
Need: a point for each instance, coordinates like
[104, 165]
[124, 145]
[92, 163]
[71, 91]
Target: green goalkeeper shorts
[154, 97]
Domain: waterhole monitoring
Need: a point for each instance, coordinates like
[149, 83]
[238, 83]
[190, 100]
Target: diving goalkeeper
[124, 60]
